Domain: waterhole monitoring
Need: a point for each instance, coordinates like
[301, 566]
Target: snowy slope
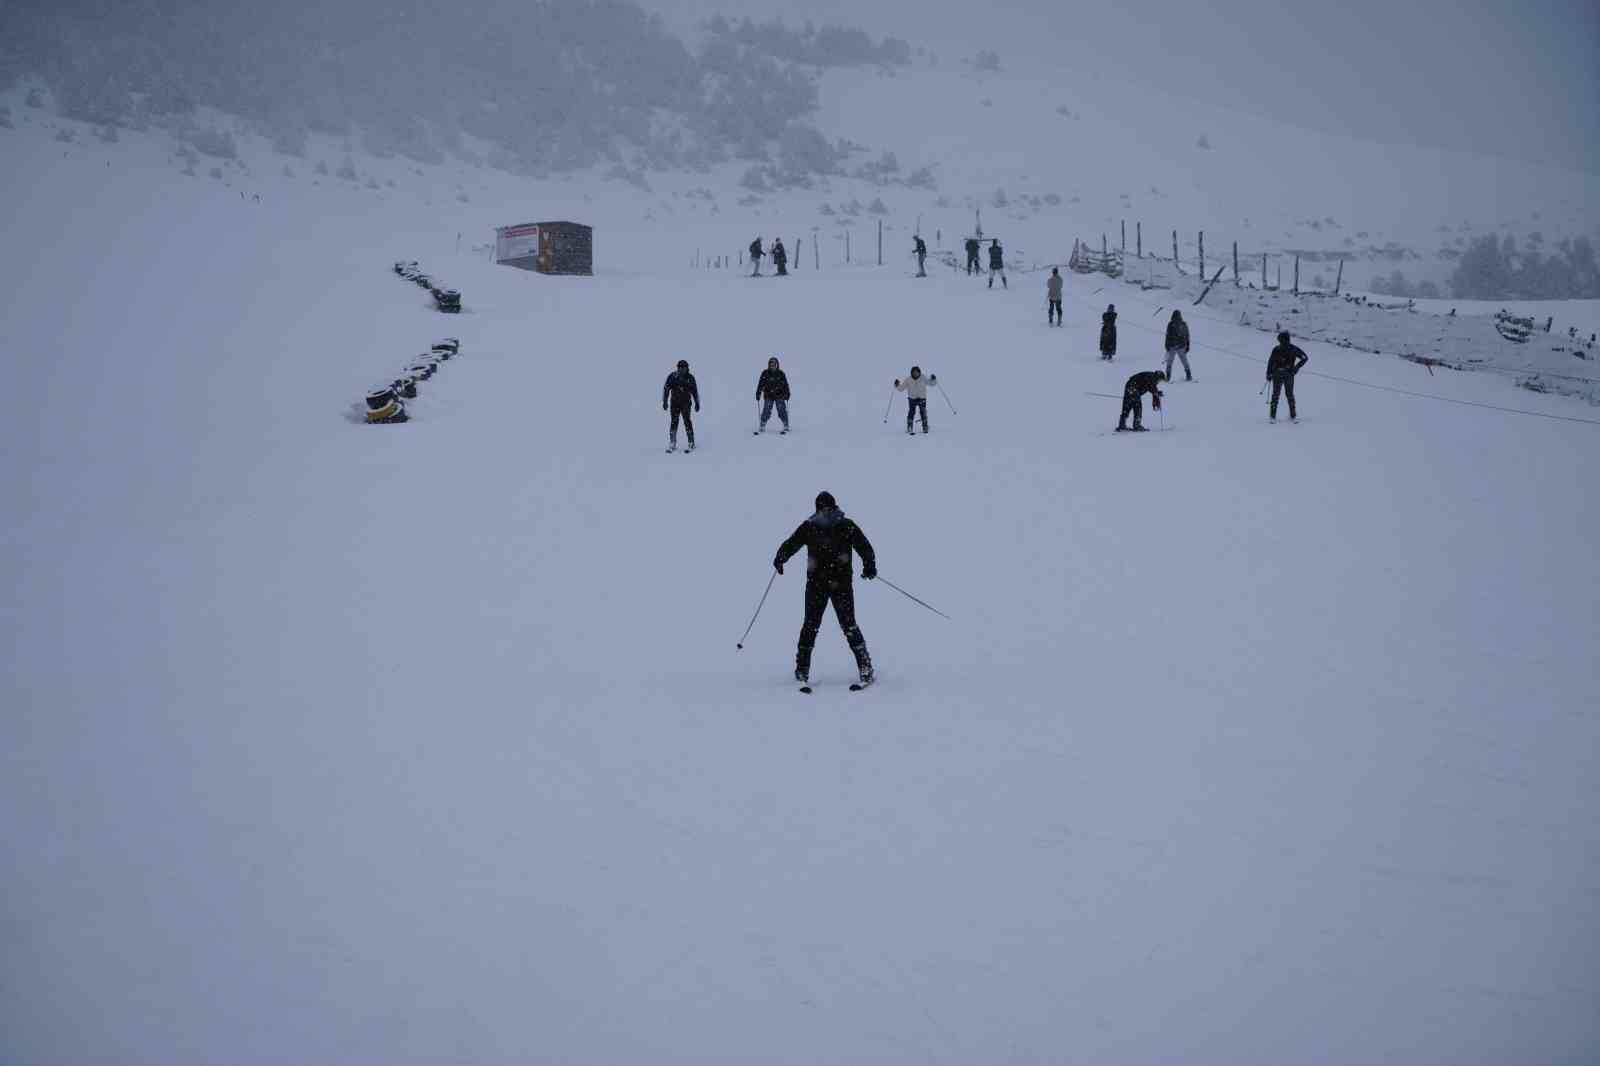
[1247, 744]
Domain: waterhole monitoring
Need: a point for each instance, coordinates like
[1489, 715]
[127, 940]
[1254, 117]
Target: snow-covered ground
[335, 744]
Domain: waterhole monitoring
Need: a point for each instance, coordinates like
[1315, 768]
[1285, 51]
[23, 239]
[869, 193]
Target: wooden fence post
[1175, 252]
[1236, 264]
[1340, 279]
[847, 244]
[1138, 236]
[1105, 248]
[1202, 253]
[1297, 275]
[1263, 270]
[1124, 235]
[880, 242]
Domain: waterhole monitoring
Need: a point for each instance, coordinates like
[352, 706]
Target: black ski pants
[913, 407]
[682, 412]
[972, 264]
[1286, 385]
[1132, 404]
[820, 591]
[1054, 313]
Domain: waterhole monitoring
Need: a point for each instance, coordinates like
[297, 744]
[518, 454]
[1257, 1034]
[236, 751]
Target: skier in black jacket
[772, 389]
[755, 257]
[1133, 398]
[829, 538]
[921, 250]
[1282, 365]
[780, 257]
[1108, 332]
[997, 264]
[678, 394]
[972, 255]
[1178, 345]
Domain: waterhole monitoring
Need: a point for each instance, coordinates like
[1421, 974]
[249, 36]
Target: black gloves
[869, 573]
[776, 565]
[897, 383]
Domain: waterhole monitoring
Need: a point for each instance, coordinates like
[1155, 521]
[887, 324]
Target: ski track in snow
[429, 743]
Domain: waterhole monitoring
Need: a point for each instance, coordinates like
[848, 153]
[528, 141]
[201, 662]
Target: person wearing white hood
[915, 387]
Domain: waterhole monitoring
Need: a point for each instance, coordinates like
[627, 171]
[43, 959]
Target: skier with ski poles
[772, 389]
[1178, 345]
[997, 264]
[921, 251]
[678, 394]
[1133, 398]
[915, 387]
[1052, 292]
[829, 539]
[1282, 365]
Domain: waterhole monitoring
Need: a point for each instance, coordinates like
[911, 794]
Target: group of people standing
[1283, 364]
[680, 397]
[997, 260]
[780, 257]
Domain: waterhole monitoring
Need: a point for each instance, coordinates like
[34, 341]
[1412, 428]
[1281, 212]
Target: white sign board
[516, 242]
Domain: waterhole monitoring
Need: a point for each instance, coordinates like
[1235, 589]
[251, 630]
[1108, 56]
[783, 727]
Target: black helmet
[826, 502]
[1283, 337]
[683, 364]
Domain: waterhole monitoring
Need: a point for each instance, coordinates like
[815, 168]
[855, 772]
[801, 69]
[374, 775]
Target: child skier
[916, 389]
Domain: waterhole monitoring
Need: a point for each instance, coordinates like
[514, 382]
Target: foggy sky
[1490, 77]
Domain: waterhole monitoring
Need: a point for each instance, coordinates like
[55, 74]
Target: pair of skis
[855, 686]
[673, 447]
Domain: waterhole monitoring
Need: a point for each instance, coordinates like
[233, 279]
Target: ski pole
[760, 605]
[1263, 391]
[887, 406]
[908, 596]
[947, 400]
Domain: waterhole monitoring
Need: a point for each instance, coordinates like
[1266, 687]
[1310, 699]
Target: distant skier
[1052, 292]
[1108, 332]
[780, 258]
[679, 394]
[1178, 345]
[997, 264]
[829, 539]
[772, 390]
[1282, 365]
[916, 389]
[972, 255]
[922, 257]
[1133, 398]
[755, 257]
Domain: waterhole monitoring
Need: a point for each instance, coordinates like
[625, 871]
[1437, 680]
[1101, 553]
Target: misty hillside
[540, 86]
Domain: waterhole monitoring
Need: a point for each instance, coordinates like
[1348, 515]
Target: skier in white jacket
[915, 387]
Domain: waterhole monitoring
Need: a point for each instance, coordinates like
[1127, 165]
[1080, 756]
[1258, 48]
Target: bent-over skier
[829, 538]
[1282, 365]
[678, 394]
[915, 386]
[1133, 398]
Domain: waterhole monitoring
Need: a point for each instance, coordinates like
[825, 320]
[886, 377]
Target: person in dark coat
[1052, 292]
[829, 539]
[972, 255]
[922, 257]
[677, 395]
[1178, 345]
[1133, 398]
[755, 257]
[772, 389]
[1282, 365]
[780, 257]
[1108, 332]
[997, 264]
